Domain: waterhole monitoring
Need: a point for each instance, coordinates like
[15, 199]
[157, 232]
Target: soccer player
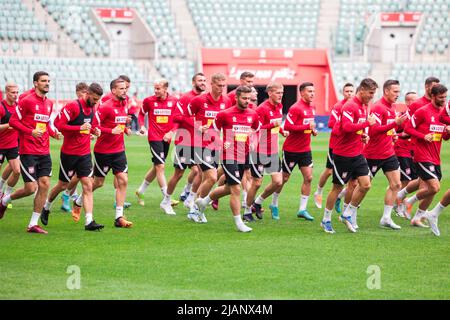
[159, 109]
[429, 131]
[9, 144]
[31, 120]
[348, 93]
[204, 109]
[403, 148]
[349, 163]
[245, 79]
[297, 147]
[237, 124]
[75, 123]
[109, 150]
[379, 152]
[414, 185]
[184, 144]
[266, 156]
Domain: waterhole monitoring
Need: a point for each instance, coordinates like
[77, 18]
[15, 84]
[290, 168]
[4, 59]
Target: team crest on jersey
[271, 113]
[344, 175]
[48, 109]
[205, 105]
[31, 170]
[432, 119]
[249, 119]
[222, 106]
[155, 104]
[169, 104]
[37, 107]
[234, 119]
[305, 113]
[116, 111]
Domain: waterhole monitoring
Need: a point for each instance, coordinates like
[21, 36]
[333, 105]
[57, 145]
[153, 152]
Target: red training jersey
[334, 119]
[297, 123]
[268, 135]
[185, 133]
[445, 114]
[69, 121]
[109, 115]
[26, 93]
[423, 122]
[160, 116]
[237, 126]
[33, 112]
[9, 138]
[232, 96]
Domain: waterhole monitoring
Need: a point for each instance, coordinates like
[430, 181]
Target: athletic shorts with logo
[71, 165]
[346, 168]
[329, 164]
[263, 163]
[184, 157]
[9, 154]
[34, 167]
[233, 172]
[291, 159]
[206, 158]
[389, 164]
[159, 150]
[428, 171]
[106, 161]
[408, 170]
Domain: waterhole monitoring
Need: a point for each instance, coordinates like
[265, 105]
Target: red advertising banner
[114, 14]
[400, 18]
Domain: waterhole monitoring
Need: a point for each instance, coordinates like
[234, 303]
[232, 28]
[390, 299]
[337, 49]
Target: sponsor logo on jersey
[211, 114]
[41, 117]
[162, 112]
[436, 128]
[120, 119]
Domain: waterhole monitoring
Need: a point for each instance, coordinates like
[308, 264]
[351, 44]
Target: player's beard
[199, 89]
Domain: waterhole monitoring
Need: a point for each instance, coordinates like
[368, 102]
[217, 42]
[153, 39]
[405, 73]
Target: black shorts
[159, 150]
[9, 154]
[184, 157]
[407, 169]
[71, 165]
[329, 164]
[206, 158]
[428, 171]
[346, 168]
[389, 164]
[291, 159]
[233, 172]
[106, 161]
[35, 166]
[262, 163]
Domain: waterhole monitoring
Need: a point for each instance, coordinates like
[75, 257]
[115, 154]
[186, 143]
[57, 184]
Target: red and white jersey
[160, 116]
[298, 123]
[351, 127]
[334, 119]
[237, 126]
[33, 112]
[381, 144]
[185, 132]
[445, 114]
[9, 138]
[204, 109]
[232, 96]
[268, 135]
[109, 115]
[24, 94]
[416, 105]
[69, 121]
[425, 121]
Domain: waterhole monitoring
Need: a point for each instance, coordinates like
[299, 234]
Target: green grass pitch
[169, 257]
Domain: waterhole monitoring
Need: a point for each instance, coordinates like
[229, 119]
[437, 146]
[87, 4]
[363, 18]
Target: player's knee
[44, 184]
[434, 188]
[257, 183]
[308, 179]
[365, 186]
[396, 186]
[277, 182]
[30, 188]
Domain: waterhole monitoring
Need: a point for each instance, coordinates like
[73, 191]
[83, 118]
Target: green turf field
[169, 257]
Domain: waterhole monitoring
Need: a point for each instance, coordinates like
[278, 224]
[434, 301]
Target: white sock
[275, 199]
[349, 211]
[2, 183]
[303, 202]
[119, 212]
[248, 210]
[88, 218]
[342, 193]
[79, 200]
[238, 220]
[327, 215]
[244, 197]
[191, 196]
[164, 190]
[167, 198]
[143, 186]
[34, 219]
[319, 190]
[412, 199]
[419, 214]
[188, 187]
[354, 216]
[47, 205]
[207, 199]
[387, 212]
[437, 210]
[344, 207]
[9, 190]
[259, 200]
[6, 199]
[402, 194]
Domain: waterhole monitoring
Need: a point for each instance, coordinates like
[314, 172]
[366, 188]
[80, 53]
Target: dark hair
[114, 83]
[304, 85]
[389, 83]
[38, 75]
[81, 86]
[199, 74]
[368, 84]
[124, 78]
[410, 92]
[430, 80]
[242, 89]
[96, 88]
[348, 84]
[438, 89]
[246, 74]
